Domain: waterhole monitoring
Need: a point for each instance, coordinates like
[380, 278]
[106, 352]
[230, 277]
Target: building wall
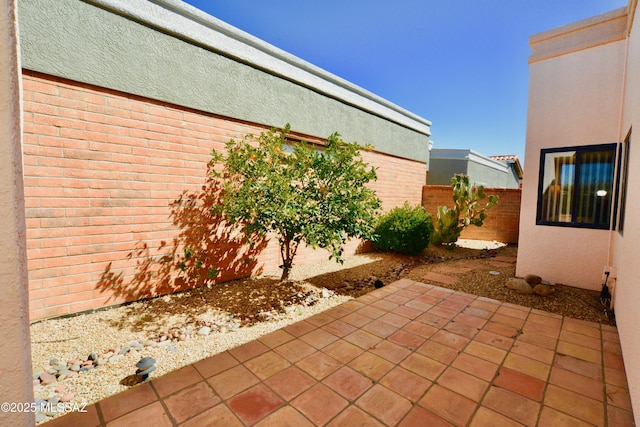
[124, 102]
[574, 99]
[482, 170]
[441, 171]
[169, 51]
[626, 248]
[101, 171]
[585, 88]
[15, 371]
[494, 177]
[502, 221]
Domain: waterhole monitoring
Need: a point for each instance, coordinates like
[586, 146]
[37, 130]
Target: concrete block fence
[102, 169]
[503, 220]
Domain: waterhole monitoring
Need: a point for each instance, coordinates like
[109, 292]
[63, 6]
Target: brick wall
[502, 222]
[102, 170]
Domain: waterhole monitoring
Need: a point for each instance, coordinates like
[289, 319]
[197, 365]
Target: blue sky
[461, 64]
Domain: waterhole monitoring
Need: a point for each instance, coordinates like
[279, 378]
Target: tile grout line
[163, 404]
[435, 380]
[604, 379]
[414, 403]
[479, 404]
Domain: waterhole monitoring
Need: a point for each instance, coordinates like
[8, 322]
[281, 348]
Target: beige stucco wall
[626, 248]
[15, 352]
[585, 89]
[574, 99]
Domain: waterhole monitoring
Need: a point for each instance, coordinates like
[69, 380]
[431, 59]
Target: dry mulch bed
[249, 299]
[567, 301]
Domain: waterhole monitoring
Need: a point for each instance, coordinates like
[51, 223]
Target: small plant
[466, 211]
[405, 229]
[318, 197]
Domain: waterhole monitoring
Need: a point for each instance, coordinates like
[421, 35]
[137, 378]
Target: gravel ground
[244, 310]
[274, 306]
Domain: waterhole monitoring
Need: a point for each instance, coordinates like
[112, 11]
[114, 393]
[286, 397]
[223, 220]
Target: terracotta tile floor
[409, 354]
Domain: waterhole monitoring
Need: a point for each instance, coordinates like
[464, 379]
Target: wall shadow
[206, 250]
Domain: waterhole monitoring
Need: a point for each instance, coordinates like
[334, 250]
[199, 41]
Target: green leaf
[315, 195]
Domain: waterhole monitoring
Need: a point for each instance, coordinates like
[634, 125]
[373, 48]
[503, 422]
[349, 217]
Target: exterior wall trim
[602, 29]
[631, 11]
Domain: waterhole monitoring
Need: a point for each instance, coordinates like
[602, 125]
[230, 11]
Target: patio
[409, 354]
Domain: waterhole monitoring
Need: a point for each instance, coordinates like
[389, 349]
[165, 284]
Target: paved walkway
[409, 354]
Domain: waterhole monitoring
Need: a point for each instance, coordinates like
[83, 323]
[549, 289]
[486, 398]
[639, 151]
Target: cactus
[466, 211]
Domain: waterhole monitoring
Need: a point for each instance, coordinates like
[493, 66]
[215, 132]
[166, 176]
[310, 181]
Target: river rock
[46, 378]
[67, 397]
[543, 290]
[205, 330]
[64, 374]
[115, 358]
[37, 373]
[532, 279]
[519, 285]
[145, 362]
[147, 371]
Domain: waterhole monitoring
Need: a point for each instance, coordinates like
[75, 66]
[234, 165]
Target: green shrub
[406, 230]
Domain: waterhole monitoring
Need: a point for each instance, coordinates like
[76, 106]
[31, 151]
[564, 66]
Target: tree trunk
[285, 273]
[287, 258]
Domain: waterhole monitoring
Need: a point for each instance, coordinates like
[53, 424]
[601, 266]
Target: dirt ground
[249, 299]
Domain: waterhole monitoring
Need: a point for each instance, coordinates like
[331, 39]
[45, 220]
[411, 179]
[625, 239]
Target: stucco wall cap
[631, 10]
[189, 23]
[467, 154]
[598, 30]
[579, 25]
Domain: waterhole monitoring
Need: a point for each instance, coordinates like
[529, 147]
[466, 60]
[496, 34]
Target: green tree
[315, 196]
[466, 211]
